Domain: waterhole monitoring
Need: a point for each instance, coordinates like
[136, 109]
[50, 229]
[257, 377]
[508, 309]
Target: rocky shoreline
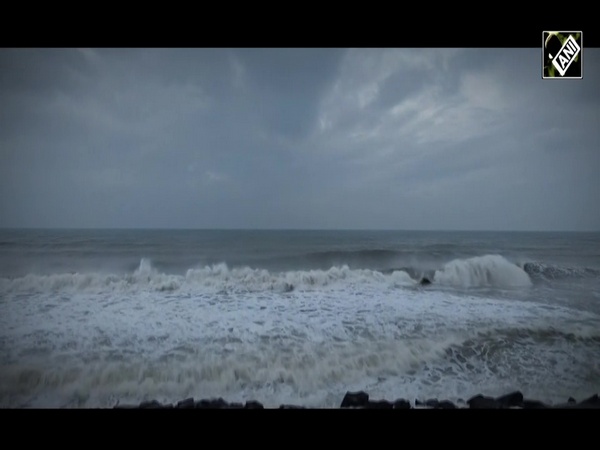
[361, 400]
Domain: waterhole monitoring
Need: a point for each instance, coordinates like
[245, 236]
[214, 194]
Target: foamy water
[89, 318]
[299, 337]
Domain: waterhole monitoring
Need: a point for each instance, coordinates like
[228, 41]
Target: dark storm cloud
[287, 84]
[340, 138]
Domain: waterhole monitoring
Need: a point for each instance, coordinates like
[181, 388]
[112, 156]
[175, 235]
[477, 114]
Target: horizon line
[63, 228]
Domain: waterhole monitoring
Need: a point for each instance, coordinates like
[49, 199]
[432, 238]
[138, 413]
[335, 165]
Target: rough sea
[92, 318]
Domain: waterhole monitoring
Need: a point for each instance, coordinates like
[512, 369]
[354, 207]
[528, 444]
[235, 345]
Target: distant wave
[371, 258]
[377, 259]
[215, 278]
[538, 270]
[367, 256]
[481, 271]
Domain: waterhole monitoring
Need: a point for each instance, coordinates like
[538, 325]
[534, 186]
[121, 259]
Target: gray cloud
[319, 138]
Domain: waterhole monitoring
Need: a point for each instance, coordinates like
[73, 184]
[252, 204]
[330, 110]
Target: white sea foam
[79, 347]
[483, 271]
[215, 278]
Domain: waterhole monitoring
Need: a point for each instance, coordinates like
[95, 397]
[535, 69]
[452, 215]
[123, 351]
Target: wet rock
[514, 399]
[188, 403]
[446, 404]
[236, 406]
[253, 404]
[355, 400]
[379, 404]
[217, 403]
[401, 404]
[360, 400]
[151, 404]
[534, 404]
[592, 402]
[570, 404]
[481, 402]
[432, 402]
[126, 406]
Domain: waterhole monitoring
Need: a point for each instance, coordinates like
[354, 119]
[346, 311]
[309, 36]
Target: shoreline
[361, 400]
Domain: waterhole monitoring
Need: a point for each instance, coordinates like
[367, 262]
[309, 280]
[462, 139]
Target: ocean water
[92, 318]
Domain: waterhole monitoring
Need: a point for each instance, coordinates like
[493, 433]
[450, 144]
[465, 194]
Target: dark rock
[592, 402]
[188, 403]
[534, 404]
[565, 406]
[510, 400]
[481, 402]
[152, 404]
[432, 402]
[570, 404]
[236, 406]
[425, 281]
[360, 399]
[126, 406]
[446, 404]
[379, 404]
[401, 404]
[212, 403]
[355, 399]
[589, 403]
[253, 404]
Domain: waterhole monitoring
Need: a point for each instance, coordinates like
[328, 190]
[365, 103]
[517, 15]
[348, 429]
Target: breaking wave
[482, 271]
[538, 270]
[216, 278]
[367, 258]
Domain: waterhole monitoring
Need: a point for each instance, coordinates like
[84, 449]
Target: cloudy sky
[297, 138]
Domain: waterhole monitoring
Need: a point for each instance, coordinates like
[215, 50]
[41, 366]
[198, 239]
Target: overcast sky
[297, 138]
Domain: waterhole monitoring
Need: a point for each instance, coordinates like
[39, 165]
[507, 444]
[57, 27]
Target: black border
[299, 25]
[288, 428]
[295, 25]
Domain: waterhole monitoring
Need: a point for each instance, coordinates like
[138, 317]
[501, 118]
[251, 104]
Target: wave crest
[482, 271]
[215, 278]
[544, 271]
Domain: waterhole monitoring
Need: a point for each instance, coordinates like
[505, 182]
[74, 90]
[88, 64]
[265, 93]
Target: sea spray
[482, 271]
